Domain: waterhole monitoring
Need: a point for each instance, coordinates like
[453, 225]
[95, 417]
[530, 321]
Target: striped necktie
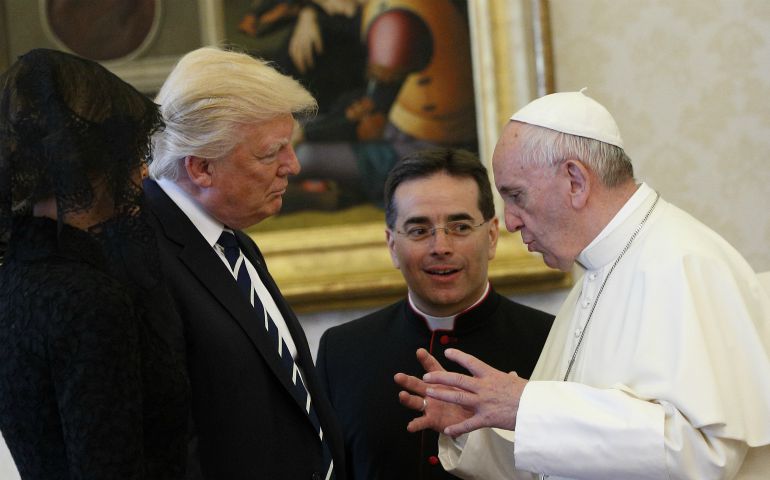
[237, 263]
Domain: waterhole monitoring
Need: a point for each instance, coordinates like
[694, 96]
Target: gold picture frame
[348, 266]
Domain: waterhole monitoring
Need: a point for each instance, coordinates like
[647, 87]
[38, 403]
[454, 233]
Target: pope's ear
[199, 170]
[579, 182]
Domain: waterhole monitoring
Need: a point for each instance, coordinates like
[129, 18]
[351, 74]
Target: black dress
[91, 383]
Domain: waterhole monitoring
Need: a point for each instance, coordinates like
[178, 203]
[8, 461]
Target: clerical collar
[605, 247]
[445, 323]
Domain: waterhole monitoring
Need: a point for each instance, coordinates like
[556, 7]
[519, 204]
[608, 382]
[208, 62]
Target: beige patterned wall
[688, 81]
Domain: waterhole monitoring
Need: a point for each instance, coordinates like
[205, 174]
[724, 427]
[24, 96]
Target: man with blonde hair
[221, 165]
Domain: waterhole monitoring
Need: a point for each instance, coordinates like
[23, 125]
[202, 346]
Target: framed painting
[327, 248]
[326, 254]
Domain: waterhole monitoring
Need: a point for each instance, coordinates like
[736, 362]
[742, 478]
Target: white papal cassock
[672, 380]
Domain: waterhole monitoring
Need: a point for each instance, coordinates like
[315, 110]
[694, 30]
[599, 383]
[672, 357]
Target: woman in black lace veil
[92, 379]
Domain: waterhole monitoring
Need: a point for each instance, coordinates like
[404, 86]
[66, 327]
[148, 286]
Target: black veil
[65, 121]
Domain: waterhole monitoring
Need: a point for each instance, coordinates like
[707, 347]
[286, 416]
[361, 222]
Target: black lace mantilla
[64, 121]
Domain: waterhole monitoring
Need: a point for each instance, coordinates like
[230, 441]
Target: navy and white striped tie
[238, 268]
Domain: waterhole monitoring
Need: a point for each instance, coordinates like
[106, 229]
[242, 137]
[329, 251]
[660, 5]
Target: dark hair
[456, 163]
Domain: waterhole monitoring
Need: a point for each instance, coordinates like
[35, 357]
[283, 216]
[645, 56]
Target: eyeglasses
[459, 228]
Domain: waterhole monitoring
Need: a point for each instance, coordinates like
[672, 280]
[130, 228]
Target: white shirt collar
[210, 227]
[607, 245]
[444, 323]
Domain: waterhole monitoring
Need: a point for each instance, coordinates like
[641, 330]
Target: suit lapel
[198, 256]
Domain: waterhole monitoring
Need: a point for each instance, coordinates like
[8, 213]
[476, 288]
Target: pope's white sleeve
[486, 453]
[576, 431]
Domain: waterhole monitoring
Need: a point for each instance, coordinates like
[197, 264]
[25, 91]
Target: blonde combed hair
[208, 95]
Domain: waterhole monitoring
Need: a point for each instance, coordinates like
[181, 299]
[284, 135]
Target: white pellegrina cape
[672, 380]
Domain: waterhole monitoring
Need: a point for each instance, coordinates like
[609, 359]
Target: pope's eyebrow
[505, 190]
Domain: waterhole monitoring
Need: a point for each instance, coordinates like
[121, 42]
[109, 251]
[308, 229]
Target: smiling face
[537, 202]
[445, 274]
[247, 185]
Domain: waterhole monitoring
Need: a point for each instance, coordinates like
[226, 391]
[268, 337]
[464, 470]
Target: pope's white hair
[545, 147]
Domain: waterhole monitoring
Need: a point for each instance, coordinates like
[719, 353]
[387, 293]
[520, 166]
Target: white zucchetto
[574, 113]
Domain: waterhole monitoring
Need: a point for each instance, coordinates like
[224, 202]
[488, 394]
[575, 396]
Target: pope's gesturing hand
[454, 403]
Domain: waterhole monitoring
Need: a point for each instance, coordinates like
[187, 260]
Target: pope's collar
[608, 244]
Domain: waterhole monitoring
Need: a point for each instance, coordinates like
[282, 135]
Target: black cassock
[357, 362]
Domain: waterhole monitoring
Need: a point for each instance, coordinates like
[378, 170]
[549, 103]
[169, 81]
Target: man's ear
[494, 234]
[580, 182]
[390, 237]
[199, 170]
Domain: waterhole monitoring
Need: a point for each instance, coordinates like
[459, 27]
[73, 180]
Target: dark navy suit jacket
[247, 425]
